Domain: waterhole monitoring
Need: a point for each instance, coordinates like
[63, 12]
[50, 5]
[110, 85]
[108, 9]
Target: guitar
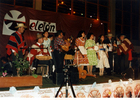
[82, 73]
[65, 47]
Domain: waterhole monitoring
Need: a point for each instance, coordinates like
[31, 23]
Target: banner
[40, 26]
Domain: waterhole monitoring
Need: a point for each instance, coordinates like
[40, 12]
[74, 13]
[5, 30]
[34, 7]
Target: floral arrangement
[3, 73]
[23, 65]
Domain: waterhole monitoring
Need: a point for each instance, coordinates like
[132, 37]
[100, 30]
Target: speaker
[73, 73]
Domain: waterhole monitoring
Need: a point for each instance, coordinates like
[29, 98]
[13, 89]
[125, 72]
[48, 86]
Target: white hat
[110, 35]
[21, 25]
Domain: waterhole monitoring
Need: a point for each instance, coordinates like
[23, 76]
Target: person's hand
[98, 57]
[23, 52]
[19, 49]
[109, 45]
[15, 53]
[100, 47]
[40, 52]
[90, 48]
[115, 45]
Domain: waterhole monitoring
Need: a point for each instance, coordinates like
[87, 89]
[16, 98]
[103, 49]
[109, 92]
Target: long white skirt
[103, 62]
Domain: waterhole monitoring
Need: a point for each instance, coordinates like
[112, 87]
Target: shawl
[16, 41]
[126, 47]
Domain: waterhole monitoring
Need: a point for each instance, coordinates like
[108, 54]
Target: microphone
[91, 25]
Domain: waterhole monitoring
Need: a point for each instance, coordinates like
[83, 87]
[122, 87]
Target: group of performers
[98, 54]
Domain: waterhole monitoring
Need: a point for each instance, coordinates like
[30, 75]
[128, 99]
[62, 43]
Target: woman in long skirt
[91, 53]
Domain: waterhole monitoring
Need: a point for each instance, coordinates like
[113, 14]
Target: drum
[43, 57]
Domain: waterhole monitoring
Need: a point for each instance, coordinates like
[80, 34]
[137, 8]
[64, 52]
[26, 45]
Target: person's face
[41, 40]
[83, 34]
[110, 37]
[61, 35]
[121, 37]
[21, 29]
[51, 38]
[102, 38]
[92, 36]
[46, 34]
[117, 38]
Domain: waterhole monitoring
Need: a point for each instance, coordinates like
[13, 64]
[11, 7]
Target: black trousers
[110, 54]
[124, 63]
[117, 65]
[13, 59]
[59, 58]
[46, 62]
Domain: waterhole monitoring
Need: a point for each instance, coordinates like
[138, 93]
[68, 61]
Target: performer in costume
[102, 55]
[47, 41]
[91, 53]
[116, 56]
[38, 49]
[109, 41]
[125, 50]
[16, 44]
[79, 58]
[47, 44]
[58, 53]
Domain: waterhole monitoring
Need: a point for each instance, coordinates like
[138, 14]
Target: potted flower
[21, 64]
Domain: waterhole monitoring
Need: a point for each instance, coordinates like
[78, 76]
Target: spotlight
[101, 23]
[90, 16]
[69, 8]
[97, 19]
[82, 14]
[74, 12]
[62, 2]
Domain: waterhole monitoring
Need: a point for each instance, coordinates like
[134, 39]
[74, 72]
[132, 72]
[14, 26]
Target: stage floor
[48, 83]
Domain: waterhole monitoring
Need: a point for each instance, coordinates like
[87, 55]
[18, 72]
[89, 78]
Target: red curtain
[70, 24]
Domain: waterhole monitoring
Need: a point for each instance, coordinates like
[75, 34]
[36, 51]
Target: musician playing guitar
[58, 54]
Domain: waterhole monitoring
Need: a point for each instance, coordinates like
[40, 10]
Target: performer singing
[91, 53]
[102, 55]
[16, 43]
[125, 50]
[79, 58]
[58, 54]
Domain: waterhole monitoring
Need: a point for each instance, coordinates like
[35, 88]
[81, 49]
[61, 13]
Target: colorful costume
[36, 51]
[125, 50]
[103, 62]
[16, 41]
[91, 53]
[126, 47]
[80, 59]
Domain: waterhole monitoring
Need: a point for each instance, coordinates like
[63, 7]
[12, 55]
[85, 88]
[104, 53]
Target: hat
[110, 35]
[21, 25]
[39, 36]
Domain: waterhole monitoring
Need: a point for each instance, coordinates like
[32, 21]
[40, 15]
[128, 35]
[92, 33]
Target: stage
[102, 86]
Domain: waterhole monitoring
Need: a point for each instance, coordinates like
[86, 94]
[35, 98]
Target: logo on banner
[40, 26]
[11, 19]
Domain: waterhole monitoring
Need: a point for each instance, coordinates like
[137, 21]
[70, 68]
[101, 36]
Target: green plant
[21, 64]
